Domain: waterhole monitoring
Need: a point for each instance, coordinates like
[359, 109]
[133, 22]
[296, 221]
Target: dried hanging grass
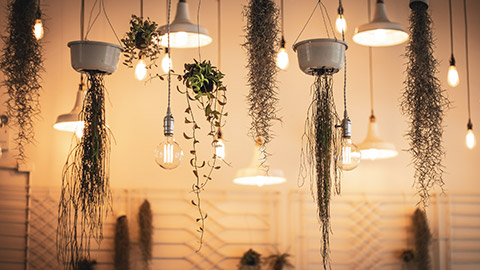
[423, 238]
[145, 225]
[122, 244]
[424, 102]
[318, 155]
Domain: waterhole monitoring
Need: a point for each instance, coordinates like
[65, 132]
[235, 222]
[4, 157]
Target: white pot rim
[317, 40]
[90, 42]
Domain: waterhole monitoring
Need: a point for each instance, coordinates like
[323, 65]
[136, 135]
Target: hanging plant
[204, 86]
[278, 261]
[86, 197]
[139, 42]
[250, 261]
[261, 34]
[145, 226]
[21, 62]
[422, 235]
[424, 102]
[85, 264]
[122, 244]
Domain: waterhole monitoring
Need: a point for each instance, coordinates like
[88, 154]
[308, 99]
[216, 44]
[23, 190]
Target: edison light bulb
[220, 149]
[141, 69]
[168, 154]
[341, 24]
[453, 76]
[38, 29]
[181, 39]
[470, 139]
[282, 58]
[166, 62]
[350, 155]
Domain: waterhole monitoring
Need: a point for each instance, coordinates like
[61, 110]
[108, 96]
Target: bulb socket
[168, 123]
[282, 43]
[469, 124]
[452, 60]
[347, 127]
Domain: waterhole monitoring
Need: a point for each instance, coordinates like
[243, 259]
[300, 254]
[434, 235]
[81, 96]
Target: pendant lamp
[183, 33]
[373, 147]
[380, 32]
[255, 174]
[70, 121]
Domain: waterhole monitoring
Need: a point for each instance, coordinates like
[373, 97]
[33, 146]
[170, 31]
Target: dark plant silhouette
[424, 102]
[85, 264]
[278, 261]
[250, 261]
[21, 62]
[145, 226]
[423, 238]
[122, 244]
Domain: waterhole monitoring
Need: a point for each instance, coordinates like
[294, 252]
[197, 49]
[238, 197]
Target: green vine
[21, 62]
[261, 34]
[424, 102]
[204, 86]
[318, 155]
[86, 197]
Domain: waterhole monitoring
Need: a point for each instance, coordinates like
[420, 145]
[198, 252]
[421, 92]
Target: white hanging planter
[94, 55]
[315, 56]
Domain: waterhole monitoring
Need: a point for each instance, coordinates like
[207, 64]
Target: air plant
[122, 244]
[261, 34]
[86, 197]
[204, 86]
[424, 102]
[318, 155]
[145, 226]
[21, 62]
[278, 261]
[250, 261]
[423, 238]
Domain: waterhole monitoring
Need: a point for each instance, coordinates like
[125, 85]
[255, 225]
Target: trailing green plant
[122, 244]
[318, 160]
[21, 62]
[141, 40]
[250, 261]
[204, 86]
[86, 198]
[145, 226]
[278, 261]
[424, 102]
[261, 34]
[423, 238]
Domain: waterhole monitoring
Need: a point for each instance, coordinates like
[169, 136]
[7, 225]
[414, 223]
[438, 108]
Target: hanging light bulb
[141, 69]
[341, 23]
[167, 63]
[453, 79]
[38, 29]
[282, 56]
[168, 154]
[220, 146]
[349, 154]
[470, 138]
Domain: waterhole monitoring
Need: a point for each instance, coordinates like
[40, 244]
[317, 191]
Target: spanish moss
[21, 62]
[145, 238]
[423, 238]
[86, 197]
[261, 43]
[122, 244]
[318, 163]
[424, 103]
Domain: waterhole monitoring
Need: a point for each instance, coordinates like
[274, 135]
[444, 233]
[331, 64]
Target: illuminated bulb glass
[470, 139]
[180, 38]
[350, 155]
[167, 63]
[38, 29]
[141, 70]
[168, 154]
[282, 59]
[341, 24]
[220, 149]
[453, 76]
[380, 35]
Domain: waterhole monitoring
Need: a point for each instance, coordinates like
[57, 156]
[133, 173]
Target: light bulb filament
[347, 155]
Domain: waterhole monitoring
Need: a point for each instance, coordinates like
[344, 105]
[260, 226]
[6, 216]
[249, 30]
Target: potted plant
[250, 261]
[141, 41]
[278, 261]
[204, 86]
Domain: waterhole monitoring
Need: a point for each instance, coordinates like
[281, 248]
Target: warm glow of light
[341, 24]
[470, 139]
[38, 29]
[168, 154]
[282, 59]
[71, 126]
[350, 155]
[380, 35]
[453, 79]
[373, 153]
[180, 38]
[220, 149]
[166, 63]
[141, 70]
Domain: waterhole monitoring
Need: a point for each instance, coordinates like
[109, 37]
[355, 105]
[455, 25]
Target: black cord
[466, 54]
[451, 26]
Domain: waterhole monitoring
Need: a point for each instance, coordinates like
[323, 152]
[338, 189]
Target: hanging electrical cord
[452, 77]
[282, 55]
[141, 9]
[470, 138]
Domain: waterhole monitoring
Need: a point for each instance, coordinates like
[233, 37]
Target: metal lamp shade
[375, 148]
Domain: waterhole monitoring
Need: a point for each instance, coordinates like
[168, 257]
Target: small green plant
[278, 261]
[250, 261]
[205, 87]
[141, 41]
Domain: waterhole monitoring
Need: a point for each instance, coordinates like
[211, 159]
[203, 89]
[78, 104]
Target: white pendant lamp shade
[255, 174]
[70, 121]
[373, 147]
[183, 33]
[380, 31]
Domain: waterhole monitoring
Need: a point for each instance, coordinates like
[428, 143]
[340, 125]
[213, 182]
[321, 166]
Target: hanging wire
[309, 18]
[219, 48]
[101, 7]
[169, 53]
[466, 54]
[82, 20]
[340, 9]
[141, 9]
[198, 30]
[282, 12]
[451, 25]
[370, 63]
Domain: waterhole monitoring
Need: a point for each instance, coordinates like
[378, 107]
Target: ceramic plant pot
[317, 56]
[94, 55]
